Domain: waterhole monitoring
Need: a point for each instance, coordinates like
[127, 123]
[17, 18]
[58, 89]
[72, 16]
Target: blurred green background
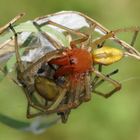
[116, 118]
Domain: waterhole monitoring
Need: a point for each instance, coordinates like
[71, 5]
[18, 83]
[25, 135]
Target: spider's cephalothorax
[74, 63]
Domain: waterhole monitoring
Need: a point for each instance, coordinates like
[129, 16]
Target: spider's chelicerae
[63, 77]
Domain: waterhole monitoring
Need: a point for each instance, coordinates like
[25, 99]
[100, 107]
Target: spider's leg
[30, 101]
[132, 51]
[64, 115]
[94, 83]
[62, 93]
[98, 83]
[19, 62]
[99, 66]
[102, 30]
[129, 50]
[86, 41]
[117, 86]
[134, 38]
[56, 107]
[73, 95]
[95, 79]
[28, 73]
[49, 56]
[101, 39]
[56, 44]
[76, 95]
[87, 84]
[70, 96]
[21, 69]
[66, 28]
[2, 29]
[32, 115]
[95, 23]
[73, 43]
[22, 73]
[83, 37]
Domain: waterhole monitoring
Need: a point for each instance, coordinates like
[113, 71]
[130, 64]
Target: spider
[63, 77]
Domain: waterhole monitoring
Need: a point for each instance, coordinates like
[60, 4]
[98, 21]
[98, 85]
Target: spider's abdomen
[46, 88]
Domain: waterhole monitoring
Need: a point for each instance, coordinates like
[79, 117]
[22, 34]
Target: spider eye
[72, 61]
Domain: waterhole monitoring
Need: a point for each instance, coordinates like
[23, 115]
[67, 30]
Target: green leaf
[13, 109]
[13, 122]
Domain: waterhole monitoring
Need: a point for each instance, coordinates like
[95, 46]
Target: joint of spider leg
[118, 87]
[101, 45]
[112, 33]
[33, 105]
[44, 23]
[37, 26]
[28, 116]
[13, 30]
[87, 98]
[112, 73]
[106, 96]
